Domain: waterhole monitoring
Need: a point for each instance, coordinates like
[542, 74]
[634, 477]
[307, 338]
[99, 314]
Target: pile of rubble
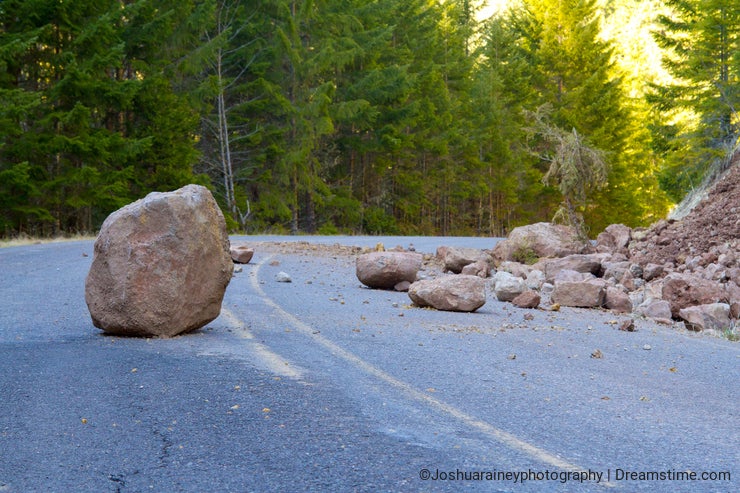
[687, 270]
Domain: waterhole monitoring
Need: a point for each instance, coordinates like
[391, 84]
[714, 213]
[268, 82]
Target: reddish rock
[590, 264]
[615, 238]
[616, 270]
[733, 295]
[528, 299]
[383, 270]
[458, 293]
[455, 259]
[480, 268]
[441, 252]
[709, 225]
[588, 294]
[241, 254]
[685, 290]
[617, 300]
[656, 309]
[161, 265]
[568, 275]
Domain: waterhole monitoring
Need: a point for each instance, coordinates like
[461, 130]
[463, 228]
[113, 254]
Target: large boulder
[616, 270]
[685, 290]
[652, 271]
[384, 270]
[458, 293]
[578, 289]
[535, 279]
[539, 240]
[161, 265]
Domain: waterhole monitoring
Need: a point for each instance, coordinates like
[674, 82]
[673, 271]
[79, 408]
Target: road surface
[323, 385]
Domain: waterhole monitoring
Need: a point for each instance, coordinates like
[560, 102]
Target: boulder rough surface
[528, 299]
[457, 293]
[456, 258]
[590, 264]
[588, 293]
[540, 240]
[161, 265]
[615, 238]
[384, 270]
[685, 290]
[712, 316]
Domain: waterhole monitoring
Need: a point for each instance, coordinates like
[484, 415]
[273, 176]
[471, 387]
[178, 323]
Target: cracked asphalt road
[323, 385]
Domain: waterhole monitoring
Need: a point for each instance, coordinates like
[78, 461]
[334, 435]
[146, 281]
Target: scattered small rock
[283, 277]
[402, 286]
[241, 254]
[597, 354]
[528, 299]
[627, 325]
[507, 286]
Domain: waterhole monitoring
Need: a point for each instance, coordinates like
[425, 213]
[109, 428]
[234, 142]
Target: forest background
[364, 116]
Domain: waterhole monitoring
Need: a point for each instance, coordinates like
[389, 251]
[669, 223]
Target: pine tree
[701, 39]
[95, 119]
[502, 89]
[572, 70]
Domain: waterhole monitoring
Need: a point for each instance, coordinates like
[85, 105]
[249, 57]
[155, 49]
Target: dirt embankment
[711, 229]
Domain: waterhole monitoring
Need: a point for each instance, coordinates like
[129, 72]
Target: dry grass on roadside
[23, 240]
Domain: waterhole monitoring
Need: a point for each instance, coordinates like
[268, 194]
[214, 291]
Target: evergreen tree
[701, 39]
[501, 91]
[94, 119]
[572, 70]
